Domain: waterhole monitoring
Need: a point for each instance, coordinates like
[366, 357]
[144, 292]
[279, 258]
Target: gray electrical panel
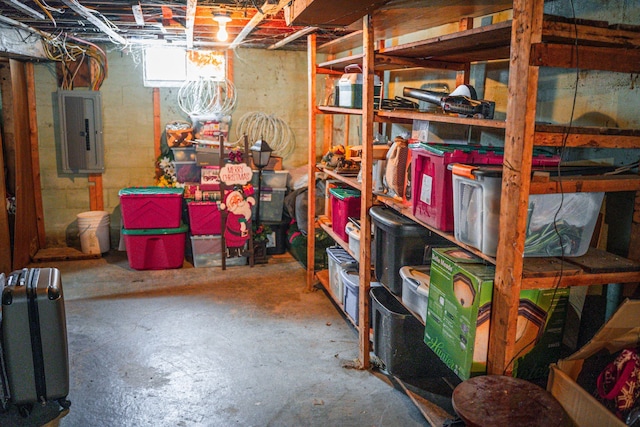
[81, 131]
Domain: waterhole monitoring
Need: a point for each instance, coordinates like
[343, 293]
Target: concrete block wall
[272, 82]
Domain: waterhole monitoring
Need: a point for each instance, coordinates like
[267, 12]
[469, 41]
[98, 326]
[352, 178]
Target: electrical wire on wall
[71, 50]
[258, 125]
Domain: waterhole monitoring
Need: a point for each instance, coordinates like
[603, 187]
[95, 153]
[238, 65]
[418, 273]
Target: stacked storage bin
[432, 190]
[153, 233]
[339, 260]
[206, 240]
[272, 192]
[345, 203]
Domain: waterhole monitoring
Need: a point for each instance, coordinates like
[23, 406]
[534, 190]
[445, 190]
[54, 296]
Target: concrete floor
[203, 347]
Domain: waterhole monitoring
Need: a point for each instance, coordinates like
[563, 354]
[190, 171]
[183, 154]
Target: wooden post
[5, 237]
[157, 127]
[35, 154]
[516, 177]
[96, 196]
[311, 163]
[462, 77]
[366, 193]
[247, 160]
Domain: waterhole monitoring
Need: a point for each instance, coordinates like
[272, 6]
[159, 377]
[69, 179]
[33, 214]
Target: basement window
[171, 67]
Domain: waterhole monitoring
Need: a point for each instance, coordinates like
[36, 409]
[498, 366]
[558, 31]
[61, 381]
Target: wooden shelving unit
[529, 41]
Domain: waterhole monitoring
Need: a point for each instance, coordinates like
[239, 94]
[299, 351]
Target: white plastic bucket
[93, 227]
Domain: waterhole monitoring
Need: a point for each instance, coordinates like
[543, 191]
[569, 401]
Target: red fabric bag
[619, 383]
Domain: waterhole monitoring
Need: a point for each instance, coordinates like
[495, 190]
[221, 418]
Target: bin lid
[389, 220]
[471, 171]
[418, 277]
[344, 193]
[151, 191]
[441, 149]
[350, 276]
[353, 231]
[155, 231]
[340, 256]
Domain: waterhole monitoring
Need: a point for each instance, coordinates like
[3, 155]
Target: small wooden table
[496, 400]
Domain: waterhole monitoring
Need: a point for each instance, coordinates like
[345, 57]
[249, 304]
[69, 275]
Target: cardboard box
[459, 313]
[621, 331]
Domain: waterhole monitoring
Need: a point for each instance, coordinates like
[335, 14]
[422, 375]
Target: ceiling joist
[24, 9]
[86, 13]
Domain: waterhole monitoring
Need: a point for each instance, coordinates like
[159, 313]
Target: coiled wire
[207, 97]
[275, 131]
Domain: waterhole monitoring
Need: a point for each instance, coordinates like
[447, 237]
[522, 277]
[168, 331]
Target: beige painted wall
[272, 82]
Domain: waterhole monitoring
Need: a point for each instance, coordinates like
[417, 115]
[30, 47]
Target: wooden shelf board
[579, 280]
[476, 44]
[492, 42]
[586, 184]
[326, 109]
[562, 30]
[445, 118]
[400, 17]
[341, 63]
[325, 224]
[349, 180]
[434, 414]
[586, 137]
[598, 261]
[345, 43]
[61, 254]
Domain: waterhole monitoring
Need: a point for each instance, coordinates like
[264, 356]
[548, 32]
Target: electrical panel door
[81, 131]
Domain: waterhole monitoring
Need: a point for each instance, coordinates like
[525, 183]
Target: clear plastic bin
[273, 179]
[415, 289]
[338, 259]
[476, 194]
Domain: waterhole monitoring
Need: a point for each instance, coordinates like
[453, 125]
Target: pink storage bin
[155, 249]
[151, 207]
[345, 203]
[204, 218]
[432, 195]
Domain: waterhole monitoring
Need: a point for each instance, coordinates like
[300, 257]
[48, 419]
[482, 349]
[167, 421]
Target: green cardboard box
[459, 312]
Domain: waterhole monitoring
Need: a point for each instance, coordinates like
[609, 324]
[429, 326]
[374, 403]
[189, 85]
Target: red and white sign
[235, 173]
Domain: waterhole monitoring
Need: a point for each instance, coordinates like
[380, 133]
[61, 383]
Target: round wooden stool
[496, 400]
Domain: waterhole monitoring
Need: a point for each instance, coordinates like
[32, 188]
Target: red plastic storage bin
[204, 218]
[345, 203]
[151, 207]
[432, 193]
[155, 249]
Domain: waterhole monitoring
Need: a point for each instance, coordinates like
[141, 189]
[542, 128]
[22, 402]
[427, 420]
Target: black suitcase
[34, 338]
[4, 383]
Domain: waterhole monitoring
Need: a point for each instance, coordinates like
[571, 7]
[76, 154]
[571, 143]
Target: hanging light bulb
[222, 18]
